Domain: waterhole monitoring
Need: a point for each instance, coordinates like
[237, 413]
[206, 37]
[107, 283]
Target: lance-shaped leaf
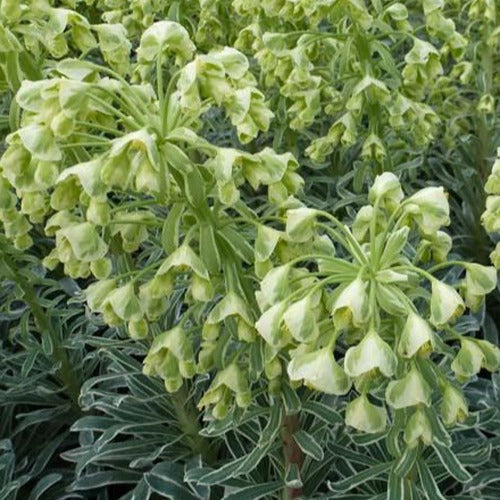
[86, 245]
[418, 429]
[319, 371]
[453, 407]
[370, 354]
[165, 37]
[417, 336]
[350, 307]
[300, 320]
[300, 224]
[365, 416]
[446, 303]
[411, 390]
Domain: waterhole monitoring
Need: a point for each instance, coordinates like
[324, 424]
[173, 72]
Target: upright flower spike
[319, 371]
[370, 354]
[446, 303]
[417, 336]
[350, 307]
[365, 416]
[411, 390]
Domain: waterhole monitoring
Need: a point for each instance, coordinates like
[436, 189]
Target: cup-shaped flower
[183, 259]
[372, 353]
[418, 429]
[365, 416]
[80, 241]
[350, 306]
[97, 292]
[473, 355]
[232, 305]
[120, 305]
[300, 320]
[274, 286]
[387, 190]
[300, 224]
[453, 407]
[165, 37]
[411, 390]
[230, 380]
[446, 303]
[176, 343]
[430, 209]
[319, 371]
[417, 336]
[269, 326]
[480, 280]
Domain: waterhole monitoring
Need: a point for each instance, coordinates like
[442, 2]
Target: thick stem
[187, 417]
[292, 452]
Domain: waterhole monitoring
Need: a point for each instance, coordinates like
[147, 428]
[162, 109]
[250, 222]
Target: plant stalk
[188, 418]
[293, 454]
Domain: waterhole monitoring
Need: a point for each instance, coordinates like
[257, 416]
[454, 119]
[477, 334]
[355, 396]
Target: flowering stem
[188, 420]
[291, 450]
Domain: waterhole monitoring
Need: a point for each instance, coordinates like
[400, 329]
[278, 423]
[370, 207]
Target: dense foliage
[247, 249]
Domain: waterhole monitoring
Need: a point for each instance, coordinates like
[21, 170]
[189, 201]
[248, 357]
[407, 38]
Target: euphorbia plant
[375, 294]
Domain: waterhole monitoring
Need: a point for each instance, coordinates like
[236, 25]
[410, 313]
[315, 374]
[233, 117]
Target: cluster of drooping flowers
[105, 167]
[332, 62]
[377, 295]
